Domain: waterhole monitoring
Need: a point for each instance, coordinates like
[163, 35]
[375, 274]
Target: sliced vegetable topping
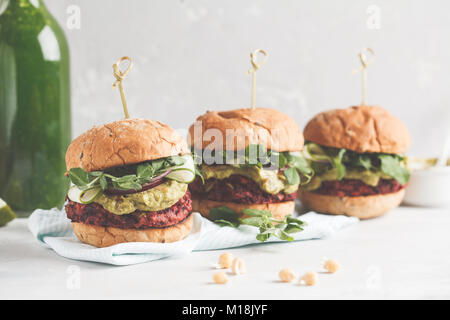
[84, 196]
[130, 179]
[324, 159]
[293, 166]
[185, 172]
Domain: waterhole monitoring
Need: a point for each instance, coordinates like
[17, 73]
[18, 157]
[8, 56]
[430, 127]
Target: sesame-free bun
[124, 142]
[363, 207]
[361, 129]
[108, 236]
[278, 210]
[273, 129]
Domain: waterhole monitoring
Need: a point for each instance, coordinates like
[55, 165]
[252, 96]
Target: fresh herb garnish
[294, 166]
[197, 161]
[339, 165]
[262, 219]
[324, 158]
[391, 166]
[121, 178]
[291, 175]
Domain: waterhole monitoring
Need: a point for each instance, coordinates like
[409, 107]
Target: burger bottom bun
[108, 236]
[363, 207]
[279, 210]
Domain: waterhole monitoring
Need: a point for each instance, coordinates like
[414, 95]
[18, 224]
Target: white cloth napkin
[53, 229]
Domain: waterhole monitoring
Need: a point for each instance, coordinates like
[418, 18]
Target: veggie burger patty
[95, 214]
[357, 188]
[238, 189]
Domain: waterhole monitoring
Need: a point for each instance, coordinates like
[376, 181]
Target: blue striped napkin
[53, 229]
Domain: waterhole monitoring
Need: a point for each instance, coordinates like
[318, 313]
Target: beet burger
[357, 155]
[130, 183]
[248, 159]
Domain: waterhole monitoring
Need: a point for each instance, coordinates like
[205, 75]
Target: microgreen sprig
[294, 166]
[121, 178]
[324, 157]
[262, 219]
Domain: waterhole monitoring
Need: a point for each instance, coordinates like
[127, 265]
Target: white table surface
[404, 254]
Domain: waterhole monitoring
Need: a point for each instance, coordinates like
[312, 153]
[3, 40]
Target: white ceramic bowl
[429, 187]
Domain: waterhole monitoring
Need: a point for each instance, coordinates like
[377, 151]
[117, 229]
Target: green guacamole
[155, 199]
[369, 177]
[270, 181]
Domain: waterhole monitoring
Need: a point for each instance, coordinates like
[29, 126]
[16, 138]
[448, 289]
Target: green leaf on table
[226, 223]
[256, 213]
[291, 220]
[263, 237]
[223, 213]
[281, 234]
[261, 219]
[293, 229]
[252, 221]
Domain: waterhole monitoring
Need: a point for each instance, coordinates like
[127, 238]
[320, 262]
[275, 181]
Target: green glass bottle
[34, 107]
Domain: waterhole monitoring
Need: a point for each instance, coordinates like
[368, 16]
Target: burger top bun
[124, 142]
[361, 129]
[271, 128]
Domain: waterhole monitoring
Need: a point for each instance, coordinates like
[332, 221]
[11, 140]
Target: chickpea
[238, 266]
[309, 278]
[331, 265]
[286, 275]
[220, 277]
[225, 260]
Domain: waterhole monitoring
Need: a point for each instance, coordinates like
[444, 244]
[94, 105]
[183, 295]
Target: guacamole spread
[158, 198]
[271, 181]
[369, 177]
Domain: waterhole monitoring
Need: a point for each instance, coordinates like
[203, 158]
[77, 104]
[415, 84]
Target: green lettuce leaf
[391, 165]
[325, 158]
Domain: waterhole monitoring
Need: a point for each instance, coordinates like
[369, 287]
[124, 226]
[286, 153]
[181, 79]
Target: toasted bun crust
[361, 129]
[108, 236]
[363, 207]
[278, 210]
[274, 129]
[124, 142]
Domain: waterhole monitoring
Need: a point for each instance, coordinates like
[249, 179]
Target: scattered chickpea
[309, 278]
[331, 266]
[225, 260]
[220, 277]
[286, 275]
[238, 266]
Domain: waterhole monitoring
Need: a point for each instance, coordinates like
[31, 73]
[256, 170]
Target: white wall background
[192, 55]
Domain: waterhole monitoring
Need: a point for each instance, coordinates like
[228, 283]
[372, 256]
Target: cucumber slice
[74, 194]
[184, 173]
[83, 196]
[88, 196]
[6, 214]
